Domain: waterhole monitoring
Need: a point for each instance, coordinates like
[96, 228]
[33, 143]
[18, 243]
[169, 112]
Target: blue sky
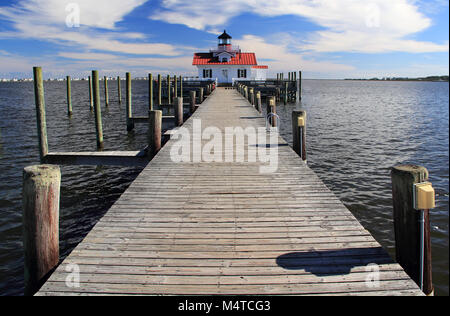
[324, 38]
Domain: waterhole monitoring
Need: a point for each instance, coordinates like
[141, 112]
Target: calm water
[356, 132]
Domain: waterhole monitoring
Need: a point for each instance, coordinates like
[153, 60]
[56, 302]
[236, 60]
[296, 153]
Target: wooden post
[154, 133]
[285, 96]
[246, 92]
[169, 99]
[181, 86]
[106, 91]
[40, 197]
[175, 86]
[407, 224]
[192, 101]
[130, 123]
[40, 112]
[150, 92]
[300, 85]
[250, 96]
[69, 96]
[299, 133]
[258, 101]
[91, 99]
[179, 114]
[119, 90]
[200, 95]
[272, 108]
[97, 109]
[159, 90]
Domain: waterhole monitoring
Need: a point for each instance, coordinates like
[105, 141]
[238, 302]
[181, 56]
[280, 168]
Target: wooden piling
[299, 133]
[169, 99]
[250, 96]
[130, 123]
[175, 86]
[286, 91]
[300, 85]
[181, 86]
[159, 91]
[119, 90]
[106, 91]
[407, 225]
[150, 92]
[272, 108]
[154, 133]
[91, 98]
[192, 101]
[200, 96]
[258, 101]
[97, 109]
[178, 106]
[69, 96]
[40, 112]
[40, 197]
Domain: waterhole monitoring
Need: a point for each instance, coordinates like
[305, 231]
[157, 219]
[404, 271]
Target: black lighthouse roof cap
[224, 35]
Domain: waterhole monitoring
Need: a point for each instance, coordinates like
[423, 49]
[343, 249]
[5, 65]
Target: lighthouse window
[242, 73]
[207, 73]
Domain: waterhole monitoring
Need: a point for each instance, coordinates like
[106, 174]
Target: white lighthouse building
[228, 63]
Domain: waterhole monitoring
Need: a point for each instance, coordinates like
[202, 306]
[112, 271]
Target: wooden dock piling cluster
[212, 243]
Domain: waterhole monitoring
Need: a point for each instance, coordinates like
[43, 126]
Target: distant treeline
[430, 78]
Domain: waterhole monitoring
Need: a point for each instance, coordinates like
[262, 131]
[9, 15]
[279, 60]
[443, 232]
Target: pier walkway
[224, 228]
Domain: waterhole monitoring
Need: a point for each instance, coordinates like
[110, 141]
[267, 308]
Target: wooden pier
[224, 228]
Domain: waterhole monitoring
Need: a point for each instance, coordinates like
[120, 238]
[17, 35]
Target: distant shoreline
[430, 79]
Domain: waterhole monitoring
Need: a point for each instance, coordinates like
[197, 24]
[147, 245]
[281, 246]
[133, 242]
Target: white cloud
[374, 26]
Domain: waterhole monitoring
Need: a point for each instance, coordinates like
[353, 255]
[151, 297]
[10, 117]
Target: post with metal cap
[40, 198]
[130, 123]
[97, 109]
[119, 90]
[40, 112]
[413, 197]
[299, 133]
[178, 105]
[154, 133]
[106, 91]
[69, 96]
[150, 92]
[192, 101]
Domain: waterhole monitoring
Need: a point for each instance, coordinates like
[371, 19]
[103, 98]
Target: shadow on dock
[335, 262]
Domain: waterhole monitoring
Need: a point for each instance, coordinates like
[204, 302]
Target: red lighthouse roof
[239, 59]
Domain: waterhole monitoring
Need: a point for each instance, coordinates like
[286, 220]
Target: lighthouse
[227, 63]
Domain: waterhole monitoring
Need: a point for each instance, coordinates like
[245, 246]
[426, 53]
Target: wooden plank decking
[225, 228]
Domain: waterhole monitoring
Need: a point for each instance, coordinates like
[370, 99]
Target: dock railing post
[129, 113]
[250, 96]
[150, 92]
[285, 96]
[411, 225]
[97, 109]
[300, 85]
[119, 90]
[91, 99]
[69, 96]
[299, 133]
[181, 86]
[106, 91]
[40, 198]
[40, 112]
[192, 101]
[154, 133]
[178, 105]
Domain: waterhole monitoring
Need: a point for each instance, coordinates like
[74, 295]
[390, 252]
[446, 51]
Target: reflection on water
[356, 132]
